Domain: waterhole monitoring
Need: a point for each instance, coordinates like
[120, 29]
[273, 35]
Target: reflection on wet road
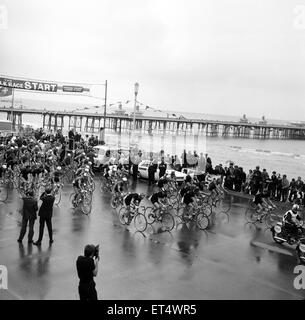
[228, 261]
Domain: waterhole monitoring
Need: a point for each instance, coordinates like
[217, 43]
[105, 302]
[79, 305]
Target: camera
[96, 251]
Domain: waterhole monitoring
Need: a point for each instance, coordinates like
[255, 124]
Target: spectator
[45, 213]
[87, 269]
[272, 185]
[279, 188]
[285, 188]
[162, 168]
[29, 215]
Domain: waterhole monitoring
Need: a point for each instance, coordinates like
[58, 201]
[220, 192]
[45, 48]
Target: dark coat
[46, 208]
[30, 208]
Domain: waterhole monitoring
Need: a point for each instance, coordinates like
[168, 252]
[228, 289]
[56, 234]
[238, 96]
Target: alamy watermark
[3, 17]
[3, 277]
[299, 280]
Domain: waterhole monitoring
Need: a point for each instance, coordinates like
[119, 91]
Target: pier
[93, 122]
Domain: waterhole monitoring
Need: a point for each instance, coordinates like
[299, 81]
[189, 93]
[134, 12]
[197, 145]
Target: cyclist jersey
[132, 196]
[258, 199]
[24, 173]
[161, 183]
[212, 186]
[187, 199]
[156, 196]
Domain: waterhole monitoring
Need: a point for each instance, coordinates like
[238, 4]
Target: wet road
[226, 262]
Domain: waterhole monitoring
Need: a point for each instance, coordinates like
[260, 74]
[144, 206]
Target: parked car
[106, 154]
[143, 171]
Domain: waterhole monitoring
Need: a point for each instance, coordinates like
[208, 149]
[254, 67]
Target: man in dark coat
[71, 139]
[45, 214]
[29, 215]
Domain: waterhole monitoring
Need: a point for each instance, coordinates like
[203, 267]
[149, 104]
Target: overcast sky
[212, 56]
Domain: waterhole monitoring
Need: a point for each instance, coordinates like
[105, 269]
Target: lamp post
[104, 128]
[136, 90]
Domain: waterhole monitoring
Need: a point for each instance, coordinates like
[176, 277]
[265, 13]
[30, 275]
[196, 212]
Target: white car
[143, 171]
[106, 154]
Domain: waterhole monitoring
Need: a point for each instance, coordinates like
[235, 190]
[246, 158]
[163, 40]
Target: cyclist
[132, 200]
[263, 203]
[190, 200]
[119, 188]
[79, 183]
[290, 219]
[56, 175]
[158, 201]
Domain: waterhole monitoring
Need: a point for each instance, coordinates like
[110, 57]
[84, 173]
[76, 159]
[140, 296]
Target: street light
[136, 90]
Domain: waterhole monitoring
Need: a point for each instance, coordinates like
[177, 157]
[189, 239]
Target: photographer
[87, 268]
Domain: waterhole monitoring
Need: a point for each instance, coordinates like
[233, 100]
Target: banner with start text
[28, 85]
[21, 84]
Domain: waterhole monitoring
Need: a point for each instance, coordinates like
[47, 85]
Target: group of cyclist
[30, 163]
[166, 193]
[44, 160]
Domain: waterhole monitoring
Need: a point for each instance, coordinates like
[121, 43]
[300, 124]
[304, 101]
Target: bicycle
[187, 214]
[140, 221]
[166, 218]
[106, 185]
[267, 214]
[117, 200]
[57, 193]
[83, 199]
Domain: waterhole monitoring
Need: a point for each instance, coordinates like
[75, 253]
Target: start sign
[28, 85]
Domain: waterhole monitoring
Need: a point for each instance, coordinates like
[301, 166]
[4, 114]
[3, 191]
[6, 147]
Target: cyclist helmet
[68, 155]
[89, 163]
[4, 166]
[295, 208]
[85, 174]
[86, 169]
[124, 179]
[142, 195]
[58, 168]
[173, 174]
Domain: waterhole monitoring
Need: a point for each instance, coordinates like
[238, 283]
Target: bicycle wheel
[181, 211]
[93, 186]
[149, 214]
[168, 222]
[202, 221]
[251, 215]
[174, 200]
[86, 206]
[206, 209]
[140, 222]
[122, 215]
[57, 197]
[271, 219]
[114, 202]
[3, 194]
[72, 199]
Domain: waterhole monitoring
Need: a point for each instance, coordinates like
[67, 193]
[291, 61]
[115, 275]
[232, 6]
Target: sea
[283, 156]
